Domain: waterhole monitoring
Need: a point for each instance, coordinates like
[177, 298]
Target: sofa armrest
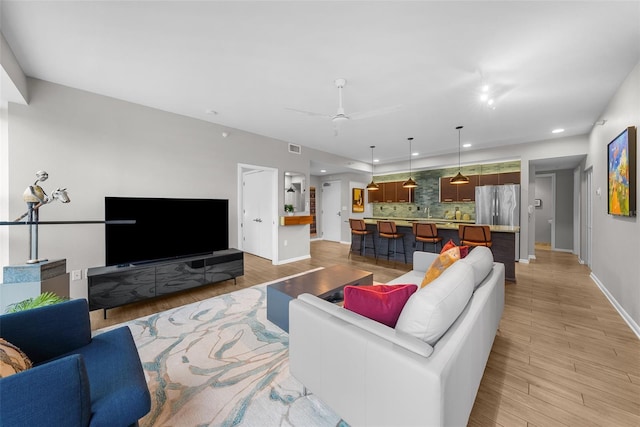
[406, 341]
[119, 390]
[55, 393]
[48, 332]
[422, 260]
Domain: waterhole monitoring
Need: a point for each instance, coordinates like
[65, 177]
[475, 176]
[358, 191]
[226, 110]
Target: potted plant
[45, 298]
[288, 209]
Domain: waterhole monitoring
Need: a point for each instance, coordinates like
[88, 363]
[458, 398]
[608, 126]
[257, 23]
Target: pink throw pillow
[382, 303]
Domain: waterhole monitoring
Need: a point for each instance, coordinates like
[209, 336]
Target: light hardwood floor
[562, 355]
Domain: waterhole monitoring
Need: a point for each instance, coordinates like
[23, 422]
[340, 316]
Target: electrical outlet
[76, 275]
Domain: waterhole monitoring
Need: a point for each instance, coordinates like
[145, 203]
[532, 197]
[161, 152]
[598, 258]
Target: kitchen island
[503, 237]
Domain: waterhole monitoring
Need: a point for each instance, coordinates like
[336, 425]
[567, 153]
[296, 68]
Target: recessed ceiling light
[467, 145]
[323, 170]
[485, 88]
[376, 160]
[484, 97]
[559, 130]
[415, 154]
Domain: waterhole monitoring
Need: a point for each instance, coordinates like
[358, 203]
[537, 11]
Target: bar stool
[359, 228]
[427, 233]
[474, 235]
[387, 230]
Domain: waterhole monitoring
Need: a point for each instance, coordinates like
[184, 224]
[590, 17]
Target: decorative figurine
[35, 197]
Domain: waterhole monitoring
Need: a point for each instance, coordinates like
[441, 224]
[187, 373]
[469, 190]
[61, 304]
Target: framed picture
[357, 200]
[621, 173]
[537, 203]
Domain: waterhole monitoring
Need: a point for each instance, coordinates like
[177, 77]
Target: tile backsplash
[427, 196]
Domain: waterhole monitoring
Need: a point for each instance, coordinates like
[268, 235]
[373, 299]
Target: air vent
[295, 148]
[326, 184]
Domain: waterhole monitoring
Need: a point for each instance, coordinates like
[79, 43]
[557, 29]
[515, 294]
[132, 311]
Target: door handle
[339, 214]
[257, 220]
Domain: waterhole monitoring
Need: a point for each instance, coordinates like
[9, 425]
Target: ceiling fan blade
[308, 113]
[374, 113]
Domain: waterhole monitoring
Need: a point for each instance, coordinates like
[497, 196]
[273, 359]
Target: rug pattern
[220, 362]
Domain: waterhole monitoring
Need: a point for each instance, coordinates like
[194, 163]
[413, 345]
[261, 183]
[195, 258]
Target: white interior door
[257, 215]
[331, 213]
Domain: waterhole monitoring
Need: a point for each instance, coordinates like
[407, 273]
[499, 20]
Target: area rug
[220, 362]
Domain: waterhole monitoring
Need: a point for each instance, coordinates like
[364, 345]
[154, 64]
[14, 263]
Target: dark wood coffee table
[327, 284]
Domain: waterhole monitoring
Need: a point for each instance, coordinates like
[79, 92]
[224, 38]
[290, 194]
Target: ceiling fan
[340, 116]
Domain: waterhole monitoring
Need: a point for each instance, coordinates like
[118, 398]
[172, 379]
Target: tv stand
[115, 286]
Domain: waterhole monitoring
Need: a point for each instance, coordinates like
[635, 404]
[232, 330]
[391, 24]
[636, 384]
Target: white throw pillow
[480, 259]
[432, 310]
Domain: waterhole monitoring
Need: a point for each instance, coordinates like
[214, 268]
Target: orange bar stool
[387, 230]
[426, 233]
[474, 235]
[359, 228]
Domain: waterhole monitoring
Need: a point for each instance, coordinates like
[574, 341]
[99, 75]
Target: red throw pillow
[382, 303]
[464, 251]
[450, 244]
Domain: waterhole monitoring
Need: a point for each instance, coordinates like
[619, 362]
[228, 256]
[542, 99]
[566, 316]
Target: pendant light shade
[410, 183]
[372, 185]
[459, 178]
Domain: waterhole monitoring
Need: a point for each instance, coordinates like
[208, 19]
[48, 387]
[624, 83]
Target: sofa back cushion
[480, 259]
[432, 310]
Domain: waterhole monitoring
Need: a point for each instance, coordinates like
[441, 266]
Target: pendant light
[410, 183]
[372, 185]
[459, 178]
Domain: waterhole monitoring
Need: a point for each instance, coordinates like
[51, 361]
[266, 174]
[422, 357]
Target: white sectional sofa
[374, 375]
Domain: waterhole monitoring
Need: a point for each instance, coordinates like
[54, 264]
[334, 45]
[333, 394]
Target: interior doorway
[589, 216]
[545, 210]
[331, 213]
[257, 216]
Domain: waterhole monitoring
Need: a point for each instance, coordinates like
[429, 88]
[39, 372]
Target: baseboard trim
[290, 260]
[570, 251]
[625, 316]
[524, 261]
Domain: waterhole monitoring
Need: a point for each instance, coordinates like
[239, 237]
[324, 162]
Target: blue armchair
[76, 380]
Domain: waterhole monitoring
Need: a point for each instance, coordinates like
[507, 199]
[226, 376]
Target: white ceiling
[548, 64]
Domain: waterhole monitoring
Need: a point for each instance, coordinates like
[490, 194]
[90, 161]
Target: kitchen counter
[442, 224]
[414, 219]
[503, 238]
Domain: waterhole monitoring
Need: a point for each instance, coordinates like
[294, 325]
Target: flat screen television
[164, 228]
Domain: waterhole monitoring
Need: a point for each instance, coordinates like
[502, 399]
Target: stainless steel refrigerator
[499, 205]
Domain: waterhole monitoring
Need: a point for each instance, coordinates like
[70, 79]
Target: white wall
[616, 242]
[545, 212]
[98, 146]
